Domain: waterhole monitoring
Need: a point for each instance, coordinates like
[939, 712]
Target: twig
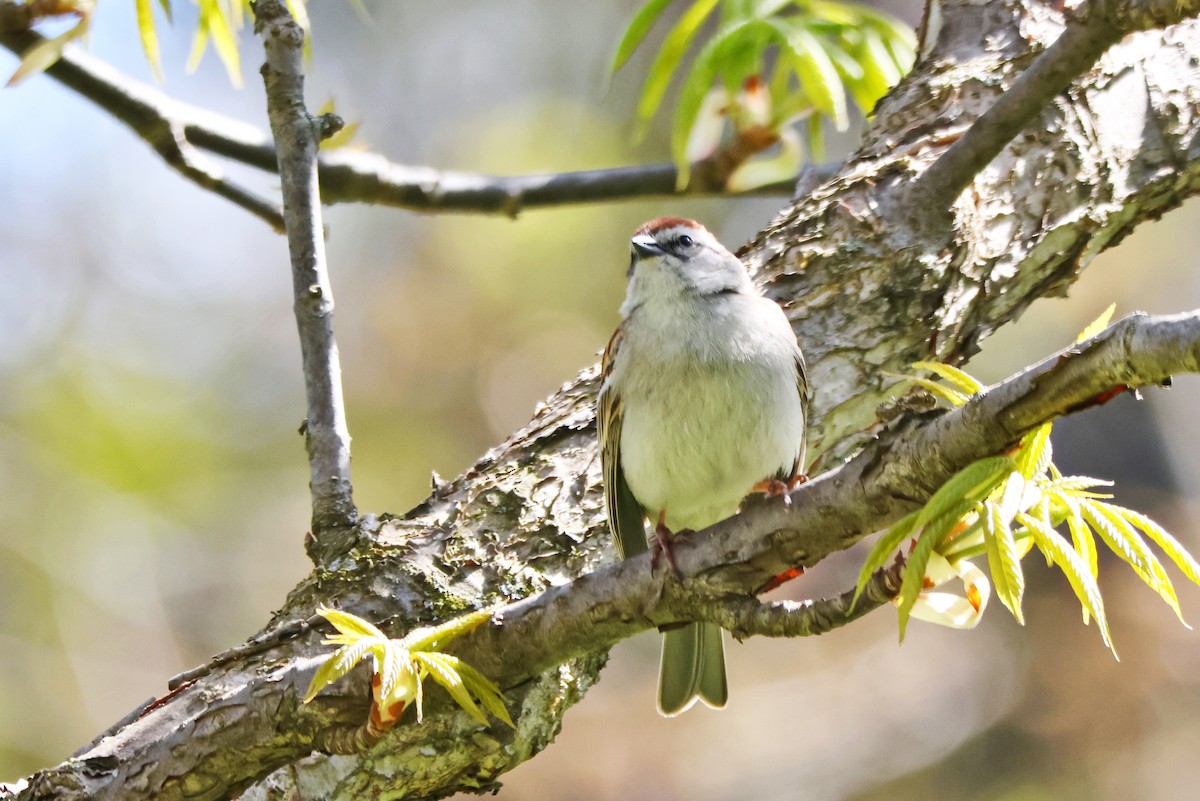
[745, 616]
[1088, 35]
[147, 112]
[264, 642]
[351, 176]
[298, 135]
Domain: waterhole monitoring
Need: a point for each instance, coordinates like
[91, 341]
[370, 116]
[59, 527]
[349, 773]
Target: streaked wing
[624, 514]
[802, 388]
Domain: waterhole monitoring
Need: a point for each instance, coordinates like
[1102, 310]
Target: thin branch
[745, 616]
[147, 112]
[351, 176]
[1101, 24]
[256, 645]
[298, 135]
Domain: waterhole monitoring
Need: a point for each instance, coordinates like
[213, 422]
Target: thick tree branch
[1098, 26]
[298, 136]
[891, 477]
[175, 129]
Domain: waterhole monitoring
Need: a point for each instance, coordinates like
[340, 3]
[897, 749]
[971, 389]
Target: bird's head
[672, 257]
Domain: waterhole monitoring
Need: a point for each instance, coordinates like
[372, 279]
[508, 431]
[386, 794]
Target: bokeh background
[153, 486]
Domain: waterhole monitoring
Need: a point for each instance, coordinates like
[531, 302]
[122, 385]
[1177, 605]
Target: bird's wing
[802, 389]
[624, 513]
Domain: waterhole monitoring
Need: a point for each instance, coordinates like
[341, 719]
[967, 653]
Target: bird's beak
[644, 247]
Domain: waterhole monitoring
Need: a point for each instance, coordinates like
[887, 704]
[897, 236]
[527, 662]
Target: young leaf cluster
[219, 22]
[1005, 506]
[401, 666]
[767, 65]
[41, 55]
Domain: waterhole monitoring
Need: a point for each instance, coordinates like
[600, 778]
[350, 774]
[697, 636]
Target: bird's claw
[778, 488]
[664, 543]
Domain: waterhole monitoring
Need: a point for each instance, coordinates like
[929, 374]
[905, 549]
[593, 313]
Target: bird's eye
[685, 241]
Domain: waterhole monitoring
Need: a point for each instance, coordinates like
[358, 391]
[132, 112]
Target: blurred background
[153, 485]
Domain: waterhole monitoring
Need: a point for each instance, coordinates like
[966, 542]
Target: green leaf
[963, 382]
[641, 24]
[1081, 535]
[903, 50]
[879, 71]
[966, 488]
[391, 663]
[214, 24]
[1128, 544]
[815, 128]
[1003, 559]
[1075, 568]
[149, 37]
[889, 541]
[1097, 325]
[327, 673]
[841, 14]
[818, 76]
[225, 42]
[433, 637]
[1035, 453]
[667, 60]
[1077, 487]
[695, 88]
[444, 669]
[912, 580]
[486, 690]
[1170, 546]
[955, 397]
[345, 658]
[38, 58]
[350, 624]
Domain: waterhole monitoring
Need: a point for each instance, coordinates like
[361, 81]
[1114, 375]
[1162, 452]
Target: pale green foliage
[219, 22]
[767, 65]
[39, 57]
[402, 665]
[1004, 506]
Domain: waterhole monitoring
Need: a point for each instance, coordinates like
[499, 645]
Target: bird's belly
[696, 442]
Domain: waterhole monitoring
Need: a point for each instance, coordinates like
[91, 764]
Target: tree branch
[1088, 34]
[298, 136]
[891, 477]
[147, 112]
[529, 516]
[745, 616]
[351, 176]
[530, 637]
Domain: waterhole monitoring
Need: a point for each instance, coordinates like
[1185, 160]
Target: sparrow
[703, 400]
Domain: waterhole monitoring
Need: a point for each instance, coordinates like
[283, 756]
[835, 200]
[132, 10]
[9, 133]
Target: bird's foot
[663, 549]
[776, 487]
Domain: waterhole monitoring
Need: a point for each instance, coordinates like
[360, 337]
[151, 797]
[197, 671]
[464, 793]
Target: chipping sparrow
[703, 401]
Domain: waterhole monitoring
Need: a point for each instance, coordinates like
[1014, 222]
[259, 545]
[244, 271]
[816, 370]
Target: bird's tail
[693, 668]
